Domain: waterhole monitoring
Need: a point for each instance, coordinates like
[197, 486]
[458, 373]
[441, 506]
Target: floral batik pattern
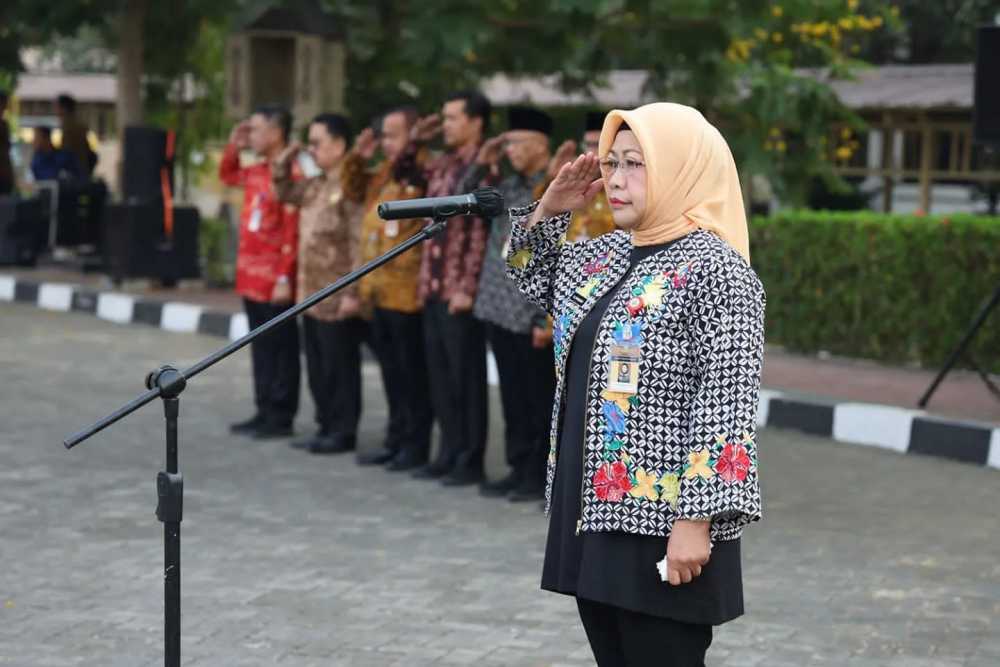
[681, 445]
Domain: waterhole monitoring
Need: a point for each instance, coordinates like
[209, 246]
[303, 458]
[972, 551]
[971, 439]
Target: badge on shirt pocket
[254, 224]
[391, 229]
[623, 371]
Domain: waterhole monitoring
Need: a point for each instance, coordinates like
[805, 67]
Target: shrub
[894, 288]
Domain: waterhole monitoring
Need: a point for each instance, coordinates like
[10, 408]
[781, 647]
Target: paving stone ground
[864, 557]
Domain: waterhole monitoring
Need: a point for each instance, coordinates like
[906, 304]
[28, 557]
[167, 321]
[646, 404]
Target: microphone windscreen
[490, 202]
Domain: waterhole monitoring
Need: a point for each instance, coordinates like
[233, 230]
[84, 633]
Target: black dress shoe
[500, 487]
[463, 477]
[404, 461]
[334, 444]
[247, 427]
[306, 443]
[268, 431]
[376, 458]
[528, 490]
[434, 470]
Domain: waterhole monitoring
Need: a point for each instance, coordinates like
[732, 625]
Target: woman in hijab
[652, 471]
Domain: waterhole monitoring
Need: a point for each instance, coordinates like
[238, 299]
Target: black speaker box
[135, 245]
[986, 102]
[79, 213]
[23, 230]
[145, 155]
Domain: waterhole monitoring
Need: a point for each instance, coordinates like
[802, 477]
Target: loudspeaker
[986, 101]
[79, 213]
[144, 158]
[23, 230]
[135, 245]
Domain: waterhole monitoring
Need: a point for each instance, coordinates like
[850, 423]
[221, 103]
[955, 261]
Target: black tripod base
[960, 350]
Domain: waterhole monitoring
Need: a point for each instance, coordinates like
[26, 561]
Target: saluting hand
[573, 187]
[491, 152]
[365, 144]
[426, 129]
[240, 134]
[288, 155]
[565, 153]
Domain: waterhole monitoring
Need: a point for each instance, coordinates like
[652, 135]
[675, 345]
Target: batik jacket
[683, 445]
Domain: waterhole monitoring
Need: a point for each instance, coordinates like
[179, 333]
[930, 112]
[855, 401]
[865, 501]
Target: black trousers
[456, 365]
[398, 341]
[527, 383]
[276, 367]
[622, 638]
[333, 359]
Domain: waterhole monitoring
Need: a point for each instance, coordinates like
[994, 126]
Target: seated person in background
[50, 163]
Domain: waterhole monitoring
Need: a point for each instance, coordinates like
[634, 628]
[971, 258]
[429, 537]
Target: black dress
[619, 569]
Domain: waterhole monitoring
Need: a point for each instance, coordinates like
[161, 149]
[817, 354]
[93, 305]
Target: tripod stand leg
[960, 349]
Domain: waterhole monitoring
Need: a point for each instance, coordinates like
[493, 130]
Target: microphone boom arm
[217, 356]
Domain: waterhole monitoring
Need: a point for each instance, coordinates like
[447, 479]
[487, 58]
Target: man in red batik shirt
[265, 270]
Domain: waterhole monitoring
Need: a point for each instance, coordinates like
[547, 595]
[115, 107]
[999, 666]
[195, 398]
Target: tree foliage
[740, 61]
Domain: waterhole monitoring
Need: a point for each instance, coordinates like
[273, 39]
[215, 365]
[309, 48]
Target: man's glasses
[609, 166]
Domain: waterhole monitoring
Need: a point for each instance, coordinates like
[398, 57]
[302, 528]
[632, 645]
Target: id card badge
[254, 224]
[255, 215]
[623, 371]
[391, 229]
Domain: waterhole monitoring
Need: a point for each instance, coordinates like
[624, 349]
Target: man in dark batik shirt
[449, 279]
[517, 330]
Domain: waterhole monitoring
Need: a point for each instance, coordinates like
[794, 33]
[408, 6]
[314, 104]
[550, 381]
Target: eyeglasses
[628, 167]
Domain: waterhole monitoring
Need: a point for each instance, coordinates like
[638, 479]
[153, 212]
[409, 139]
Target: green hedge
[213, 238]
[895, 288]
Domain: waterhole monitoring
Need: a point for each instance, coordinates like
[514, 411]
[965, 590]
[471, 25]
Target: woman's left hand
[688, 549]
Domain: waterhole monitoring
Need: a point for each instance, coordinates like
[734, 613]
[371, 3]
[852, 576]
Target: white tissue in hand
[661, 567]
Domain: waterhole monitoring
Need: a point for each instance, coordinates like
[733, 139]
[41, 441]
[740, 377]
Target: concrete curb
[887, 427]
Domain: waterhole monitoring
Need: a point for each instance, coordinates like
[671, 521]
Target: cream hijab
[691, 178]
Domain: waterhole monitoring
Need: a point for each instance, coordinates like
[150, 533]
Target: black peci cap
[527, 118]
[595, 121]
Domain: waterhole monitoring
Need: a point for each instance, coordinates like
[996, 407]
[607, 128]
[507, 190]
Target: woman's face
[624, 173]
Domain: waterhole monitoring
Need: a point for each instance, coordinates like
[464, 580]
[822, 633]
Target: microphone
[484, 202]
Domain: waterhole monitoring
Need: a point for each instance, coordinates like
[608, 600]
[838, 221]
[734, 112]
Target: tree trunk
[130, 68]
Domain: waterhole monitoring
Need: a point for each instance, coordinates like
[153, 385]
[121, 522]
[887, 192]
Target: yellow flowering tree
[786, 123]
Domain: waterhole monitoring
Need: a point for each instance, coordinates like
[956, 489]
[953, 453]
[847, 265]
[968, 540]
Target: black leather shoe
[247, 427]
[376, 458]
[405, 461]
[500, 487]
[334, 444]
[270, 431]
[463, 477]
[306, 443]
[434, 470]
[528, 490]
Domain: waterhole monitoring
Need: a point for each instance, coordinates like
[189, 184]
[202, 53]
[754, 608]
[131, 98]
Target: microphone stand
[167, 383]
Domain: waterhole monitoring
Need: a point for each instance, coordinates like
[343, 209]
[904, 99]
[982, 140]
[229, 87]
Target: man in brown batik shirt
[329, 231]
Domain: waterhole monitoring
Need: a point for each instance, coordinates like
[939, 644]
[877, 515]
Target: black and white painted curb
[884, 426]
[124, 308]
[898, 429]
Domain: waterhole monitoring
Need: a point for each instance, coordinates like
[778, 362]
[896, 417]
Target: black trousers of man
[622, 638]
[333, 360]
[276, 366]
[527, 384]
[398, 341]
[456, 364]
